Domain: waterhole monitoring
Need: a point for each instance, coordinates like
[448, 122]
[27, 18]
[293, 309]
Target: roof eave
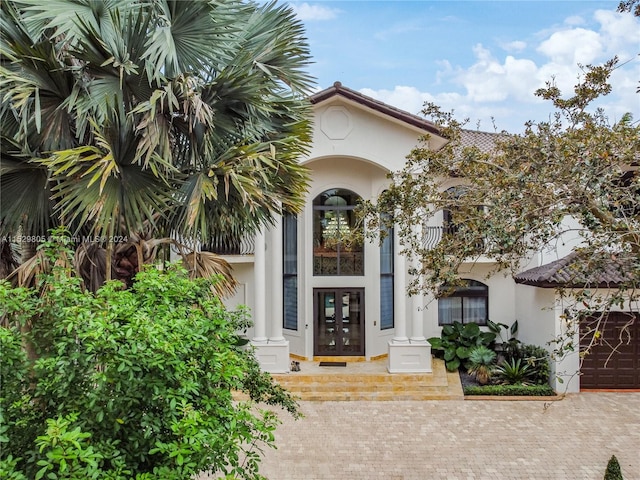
[357, 97]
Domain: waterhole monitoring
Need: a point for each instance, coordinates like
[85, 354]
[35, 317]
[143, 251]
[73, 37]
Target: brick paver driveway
[494, 440]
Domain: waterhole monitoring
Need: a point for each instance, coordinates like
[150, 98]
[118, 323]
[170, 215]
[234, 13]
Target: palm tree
[140, 123]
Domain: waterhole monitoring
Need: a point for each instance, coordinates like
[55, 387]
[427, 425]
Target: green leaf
[453, 365]
[463, 352]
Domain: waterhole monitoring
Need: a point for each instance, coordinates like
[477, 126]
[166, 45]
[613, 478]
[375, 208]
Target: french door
[338, 321]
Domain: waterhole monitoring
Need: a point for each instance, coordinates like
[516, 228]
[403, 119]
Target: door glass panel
[351, 323]
[327, 333]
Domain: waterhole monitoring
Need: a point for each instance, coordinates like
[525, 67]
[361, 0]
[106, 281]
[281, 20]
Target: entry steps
[369, 380]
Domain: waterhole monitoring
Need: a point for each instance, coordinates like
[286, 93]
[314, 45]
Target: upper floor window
[456, 194]
[467, 303]
[458, 213]
[337, 238]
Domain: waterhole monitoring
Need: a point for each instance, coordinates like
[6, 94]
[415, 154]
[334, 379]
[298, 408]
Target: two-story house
[315, 289]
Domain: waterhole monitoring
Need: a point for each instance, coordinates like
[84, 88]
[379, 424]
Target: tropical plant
[142, 124]
[456, 342]
[481, 364]
[536, 357]
[514, 372]
[129, 383]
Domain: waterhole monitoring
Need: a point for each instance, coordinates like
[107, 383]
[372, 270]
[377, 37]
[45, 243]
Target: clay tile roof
[484, 141]
[569, 272]
[339, 89]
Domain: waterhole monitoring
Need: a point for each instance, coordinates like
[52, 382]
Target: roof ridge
[338, 89]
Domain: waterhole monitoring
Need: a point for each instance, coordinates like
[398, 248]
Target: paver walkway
[454, 440]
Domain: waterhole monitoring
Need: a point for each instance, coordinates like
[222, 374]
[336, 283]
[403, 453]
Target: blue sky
[480, 59]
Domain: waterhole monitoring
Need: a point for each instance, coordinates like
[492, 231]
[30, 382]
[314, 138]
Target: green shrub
[131, 383]
[613, 471]
[457, 341]
[510, 390]
[536, 357]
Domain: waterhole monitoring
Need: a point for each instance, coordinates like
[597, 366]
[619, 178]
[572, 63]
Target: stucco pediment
[349, 124]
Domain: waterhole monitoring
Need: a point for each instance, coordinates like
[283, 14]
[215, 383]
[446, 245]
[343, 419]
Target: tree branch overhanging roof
[576, 271]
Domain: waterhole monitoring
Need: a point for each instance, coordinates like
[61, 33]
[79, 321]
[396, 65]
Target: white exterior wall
[564, 245]
[346, 129]
[244, 295]
[539, 324]
[353, 148]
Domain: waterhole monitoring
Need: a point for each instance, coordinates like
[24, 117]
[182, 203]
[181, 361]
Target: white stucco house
[314, 295]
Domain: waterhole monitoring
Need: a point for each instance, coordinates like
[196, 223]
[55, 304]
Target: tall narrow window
[290, 270]
[468, 303]
[386, 281]
[337, 237]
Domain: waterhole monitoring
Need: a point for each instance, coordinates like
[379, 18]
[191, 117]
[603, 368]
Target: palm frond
[25, 196]
[63, 17]
[27, 274]
[35, 86]
[209, 265]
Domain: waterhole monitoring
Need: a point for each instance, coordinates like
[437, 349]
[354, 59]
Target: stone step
[389, 379]
[342, 387]
[370, 382]
[375, 396]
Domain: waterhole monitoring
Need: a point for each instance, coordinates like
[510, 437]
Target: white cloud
[308, 12]
[503, 88]
[577, 45]
[515, 46]
[489, 80]
[412, 100]
[619, 32]
[574, 20]
[409, 99]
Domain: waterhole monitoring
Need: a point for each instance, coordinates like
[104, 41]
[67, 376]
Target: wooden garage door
[614, 361]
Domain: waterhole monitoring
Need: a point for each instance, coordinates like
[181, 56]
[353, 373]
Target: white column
[407, 355]
[259, 287]
[276, 282]
[399, 291]
[272, 354]
[417, 300]
[417, 320]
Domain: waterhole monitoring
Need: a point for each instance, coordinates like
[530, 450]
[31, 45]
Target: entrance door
[339, 321]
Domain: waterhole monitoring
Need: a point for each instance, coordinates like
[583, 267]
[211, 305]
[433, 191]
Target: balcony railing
[433, 234]
[231, 246]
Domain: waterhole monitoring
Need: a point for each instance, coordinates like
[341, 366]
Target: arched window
[467, 303]
[337, 239]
